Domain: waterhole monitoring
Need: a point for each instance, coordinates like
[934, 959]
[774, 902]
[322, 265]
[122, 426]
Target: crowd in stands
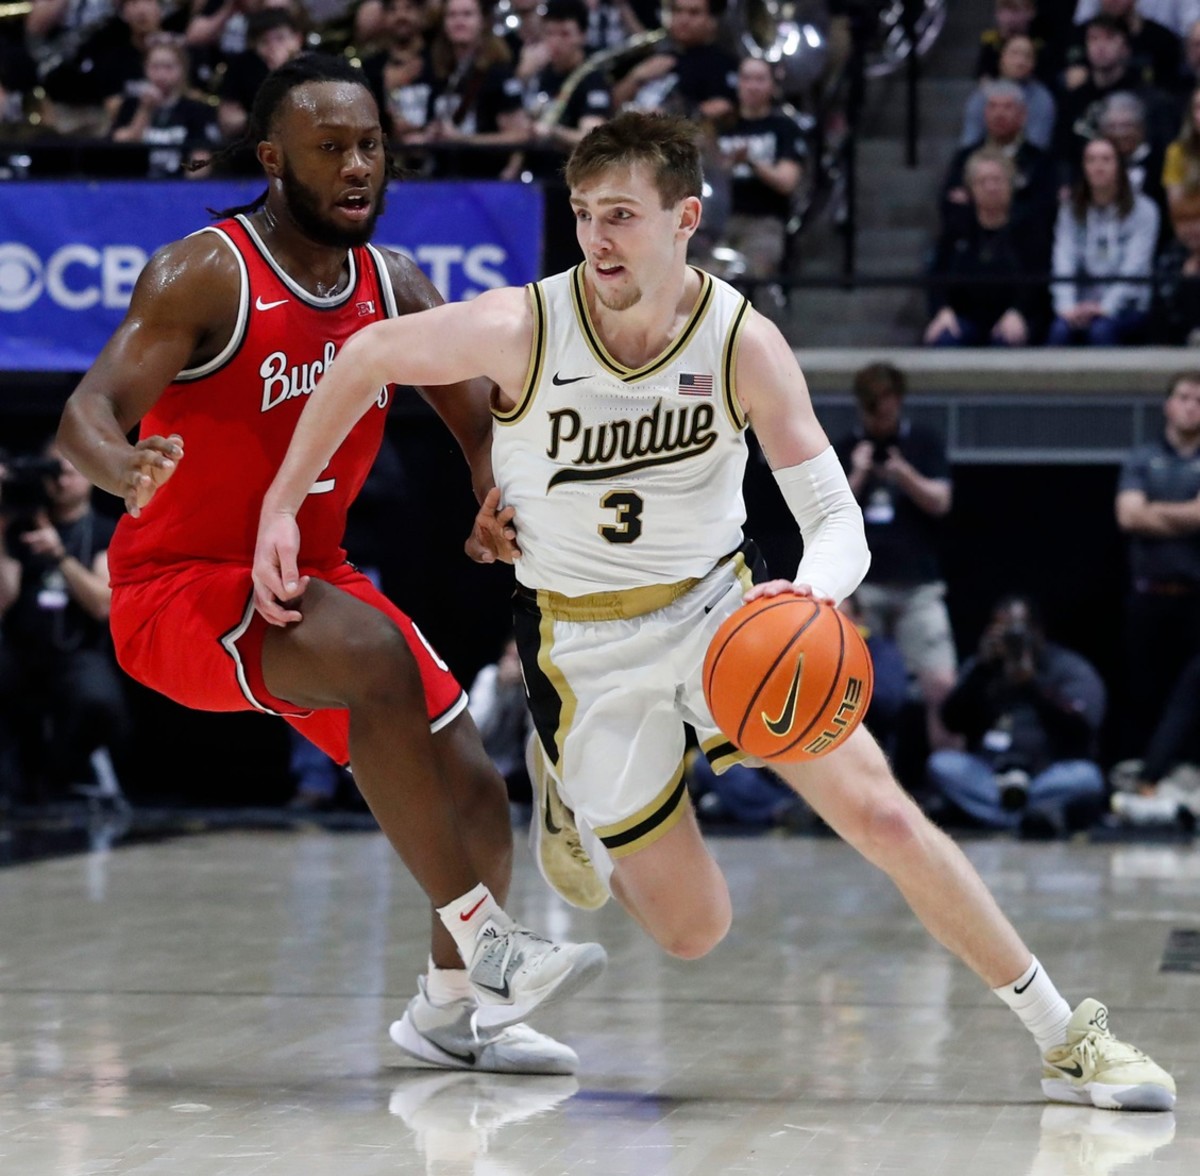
[1079, 161]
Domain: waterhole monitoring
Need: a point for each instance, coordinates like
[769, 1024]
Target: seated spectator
[689, 73]
[86, 89]
[978, 295]
[764, 153]
[1017, 61]
[1154, 49]
[1105, 233]
[57, 624]
[274, 36]
[1181, 167]
[611, 23]
[1171, 14]
[1122, 119]
[1034, 194]
[524, 36]
[218, 31]
[1176, 317]
[160, 114]
[562, 114]
[55, 30]
[475, 101]
[1012, 18]
[397, 72]
[1030, 711]
[1106, 68]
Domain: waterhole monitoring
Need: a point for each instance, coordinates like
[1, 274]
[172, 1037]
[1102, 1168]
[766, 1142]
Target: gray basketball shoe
[450, 1036]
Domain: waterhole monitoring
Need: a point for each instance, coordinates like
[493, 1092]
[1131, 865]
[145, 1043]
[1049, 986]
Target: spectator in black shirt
[274, 36]
[563, 101]
[1158, 508]
[978, 296]
[689, 73]
[398, 73]
[475, 101]
[1034, 191]
[1154, 49]
[86, 90]
[57, 627]
[899, 472]
[764, 152]
[1175, 315]
[160, 114]
[1013, 18]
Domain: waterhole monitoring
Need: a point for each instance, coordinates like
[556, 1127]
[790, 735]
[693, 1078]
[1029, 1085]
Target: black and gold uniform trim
[729, 366]
[721, 754]
[631, 375]
[552, 702]
[537, 361]
[650, 823]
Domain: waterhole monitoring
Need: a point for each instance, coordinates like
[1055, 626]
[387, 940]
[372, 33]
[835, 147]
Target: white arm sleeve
[835, 545]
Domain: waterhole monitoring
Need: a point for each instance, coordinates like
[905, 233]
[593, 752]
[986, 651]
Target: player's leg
[348, 654]
[854, 791]
[676, 891]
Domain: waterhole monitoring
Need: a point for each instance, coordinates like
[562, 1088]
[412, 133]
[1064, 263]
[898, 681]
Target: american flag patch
[364, 308]
[694, 384]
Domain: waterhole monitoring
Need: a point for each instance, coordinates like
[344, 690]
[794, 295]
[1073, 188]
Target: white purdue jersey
[624, 477]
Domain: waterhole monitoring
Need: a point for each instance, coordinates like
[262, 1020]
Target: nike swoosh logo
[259, 304]
[467, 1059]
[476, 907]
[561, 380]
[782, 725]
[501, 992]
[1027, 983]
[1075, 1070]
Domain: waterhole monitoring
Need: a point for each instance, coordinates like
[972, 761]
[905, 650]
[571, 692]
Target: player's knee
[892, 827]
[698, 936]
[381, 668]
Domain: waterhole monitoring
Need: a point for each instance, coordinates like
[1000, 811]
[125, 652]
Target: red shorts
[193, 635]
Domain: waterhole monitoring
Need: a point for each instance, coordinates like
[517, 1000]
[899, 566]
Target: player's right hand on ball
[153, 460]
[277, 580]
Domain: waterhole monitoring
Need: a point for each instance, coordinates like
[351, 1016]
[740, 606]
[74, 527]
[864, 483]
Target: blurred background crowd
[1065, 213]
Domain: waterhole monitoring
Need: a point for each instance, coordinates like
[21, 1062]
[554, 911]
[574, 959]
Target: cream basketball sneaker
[1094, 1068]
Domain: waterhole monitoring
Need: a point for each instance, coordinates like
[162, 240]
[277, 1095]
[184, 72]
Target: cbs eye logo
[21, 281]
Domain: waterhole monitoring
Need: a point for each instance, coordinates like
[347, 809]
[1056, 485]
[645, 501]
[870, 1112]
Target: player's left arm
[774, 396]
[466, 410]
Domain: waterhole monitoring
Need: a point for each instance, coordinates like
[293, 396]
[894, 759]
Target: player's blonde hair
[664, 143]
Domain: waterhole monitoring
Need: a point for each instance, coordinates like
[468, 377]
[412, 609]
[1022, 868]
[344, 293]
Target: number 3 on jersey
[629, 516]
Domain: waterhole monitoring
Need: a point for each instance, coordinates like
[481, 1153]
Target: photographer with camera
[59, 658]
[899, 472]
[1030, 711]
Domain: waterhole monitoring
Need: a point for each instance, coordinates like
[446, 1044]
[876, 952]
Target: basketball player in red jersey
[227, 332]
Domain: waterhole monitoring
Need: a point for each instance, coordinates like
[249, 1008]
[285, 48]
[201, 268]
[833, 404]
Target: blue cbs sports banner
[71, 251]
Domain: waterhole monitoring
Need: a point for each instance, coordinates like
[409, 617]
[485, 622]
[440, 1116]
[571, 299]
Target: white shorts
[612, 678]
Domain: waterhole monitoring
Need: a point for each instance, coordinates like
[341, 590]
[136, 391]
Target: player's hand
[783, 588]
[151, 462]
[493, 536]
[277, 580]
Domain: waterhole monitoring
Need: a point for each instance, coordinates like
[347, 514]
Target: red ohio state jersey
[237, 412]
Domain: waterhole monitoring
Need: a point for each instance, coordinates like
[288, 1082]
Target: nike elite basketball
[787, 678]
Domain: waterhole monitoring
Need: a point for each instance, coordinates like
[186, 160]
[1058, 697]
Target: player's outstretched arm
[488, 337]
[184, 304]
[772, 392]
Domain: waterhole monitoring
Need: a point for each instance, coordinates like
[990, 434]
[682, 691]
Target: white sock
[465, 917]
[445, 986]
[1033, 997]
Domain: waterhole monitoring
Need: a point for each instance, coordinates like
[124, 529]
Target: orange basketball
[787, 678]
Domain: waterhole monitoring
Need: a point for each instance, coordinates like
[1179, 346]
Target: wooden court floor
[218, 1005]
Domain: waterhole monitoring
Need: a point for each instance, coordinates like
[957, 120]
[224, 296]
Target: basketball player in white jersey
[624, 387]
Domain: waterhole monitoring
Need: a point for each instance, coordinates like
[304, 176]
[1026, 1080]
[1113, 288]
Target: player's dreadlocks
[307, 67]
